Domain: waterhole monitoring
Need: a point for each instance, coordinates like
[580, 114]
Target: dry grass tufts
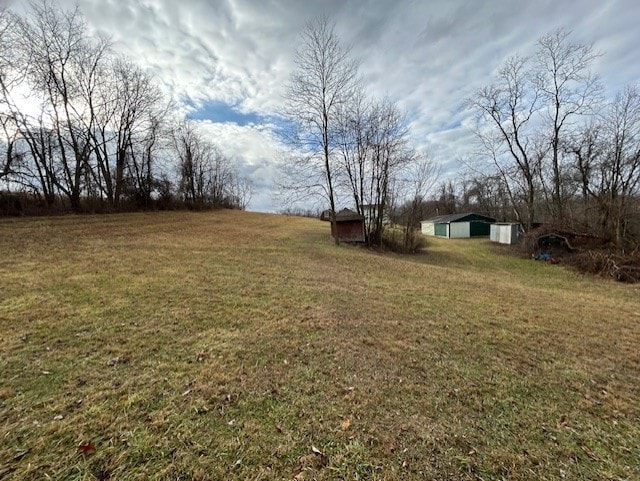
[232, 345]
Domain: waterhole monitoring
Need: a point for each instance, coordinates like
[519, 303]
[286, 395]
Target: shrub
[588, 253]
[621, 267]
[397, 240]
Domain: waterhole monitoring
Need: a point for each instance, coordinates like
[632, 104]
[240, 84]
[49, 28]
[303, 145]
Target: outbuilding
[458, 226]
[349, 226]
[506, 232]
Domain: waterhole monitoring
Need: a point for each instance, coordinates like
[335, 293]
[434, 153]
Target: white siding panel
[460, 230]
[505, 233]
[494, 233]
[428, 228]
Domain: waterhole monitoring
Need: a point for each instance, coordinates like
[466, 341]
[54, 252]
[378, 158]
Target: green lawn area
[233, 345]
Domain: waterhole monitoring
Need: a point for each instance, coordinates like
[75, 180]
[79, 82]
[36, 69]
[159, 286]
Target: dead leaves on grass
[314, 460]
[345, 424]
[590, 453]
[114, 361]
[203, 356]
[86, 448]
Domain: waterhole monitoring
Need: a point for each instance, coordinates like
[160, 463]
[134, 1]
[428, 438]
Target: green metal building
[458, 226]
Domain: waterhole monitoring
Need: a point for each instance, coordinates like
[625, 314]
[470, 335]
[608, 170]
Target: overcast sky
[227, 61]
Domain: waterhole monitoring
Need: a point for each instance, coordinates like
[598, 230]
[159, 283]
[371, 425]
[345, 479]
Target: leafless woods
[556, 148]
[84, 128]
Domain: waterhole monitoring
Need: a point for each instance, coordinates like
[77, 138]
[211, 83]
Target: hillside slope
[232, 345]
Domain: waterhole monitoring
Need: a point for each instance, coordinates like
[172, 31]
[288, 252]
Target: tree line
[550, 147]
[554, 149]
[86, 128]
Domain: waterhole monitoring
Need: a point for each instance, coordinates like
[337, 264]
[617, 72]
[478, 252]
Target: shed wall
[460, 230]
[442, 230]
[428, 228]
[350, 231]
[479, 228]
[505, 233]
[494, 234]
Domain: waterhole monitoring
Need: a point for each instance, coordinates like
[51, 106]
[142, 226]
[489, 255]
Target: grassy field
[230, 345]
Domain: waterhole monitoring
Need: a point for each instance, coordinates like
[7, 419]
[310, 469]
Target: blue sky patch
[222, 112]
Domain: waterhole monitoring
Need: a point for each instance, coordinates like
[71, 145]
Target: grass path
[232, 345]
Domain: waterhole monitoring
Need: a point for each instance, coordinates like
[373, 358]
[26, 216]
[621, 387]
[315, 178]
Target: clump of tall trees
[350, 149]
[555, 148]
[84, 128]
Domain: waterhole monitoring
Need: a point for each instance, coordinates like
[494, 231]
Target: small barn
[458, 226]
[325, 215]
[506, 232]
[349, 226]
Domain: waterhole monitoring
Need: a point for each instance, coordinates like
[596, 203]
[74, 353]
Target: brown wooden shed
[350, 226]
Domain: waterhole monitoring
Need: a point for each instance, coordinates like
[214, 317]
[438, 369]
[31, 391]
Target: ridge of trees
[97, 133]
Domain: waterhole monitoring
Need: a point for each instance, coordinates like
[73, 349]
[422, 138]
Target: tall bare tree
[527, 114]
[507, 135]
[373, 148]
[206, 175]
[94, 126]
[8, 77]
[623, 160]
[126, 115]
[63, 67]
[242, 191]
[353, 146]
[567, 90]
[323, 81]
[389, 154]
[607, 157]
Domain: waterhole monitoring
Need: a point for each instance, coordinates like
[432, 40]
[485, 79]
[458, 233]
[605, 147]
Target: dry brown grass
[228, 345]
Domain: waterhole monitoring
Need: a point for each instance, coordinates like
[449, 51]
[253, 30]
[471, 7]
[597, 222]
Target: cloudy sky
[227, 61]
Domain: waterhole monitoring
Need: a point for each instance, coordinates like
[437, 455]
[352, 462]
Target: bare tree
[143, 178]
[96, 126]
[189, 150]
[527, 115]
[206, 175]
[126, 113]
[242, 192]
[353, 146]
[8, 78]
[373, 148]
[507, 135]
[417, 183]
[606, 159]
[323, 81]
[607, 156]
[63, 67]
[488, 194]
[389, 154]
[568, 90]
[26, 138]
[623, 160]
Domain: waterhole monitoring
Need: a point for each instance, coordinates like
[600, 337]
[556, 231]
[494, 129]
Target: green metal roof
[468, 216]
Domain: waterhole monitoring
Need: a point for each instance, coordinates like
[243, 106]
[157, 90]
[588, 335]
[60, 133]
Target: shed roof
[348, 215]
[447, 219]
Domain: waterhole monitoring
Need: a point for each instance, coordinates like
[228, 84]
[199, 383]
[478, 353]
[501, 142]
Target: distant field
[231, 345]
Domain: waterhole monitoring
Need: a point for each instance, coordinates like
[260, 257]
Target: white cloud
[257, 153]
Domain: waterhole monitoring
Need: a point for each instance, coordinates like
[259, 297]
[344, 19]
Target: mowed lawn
[232, 345]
